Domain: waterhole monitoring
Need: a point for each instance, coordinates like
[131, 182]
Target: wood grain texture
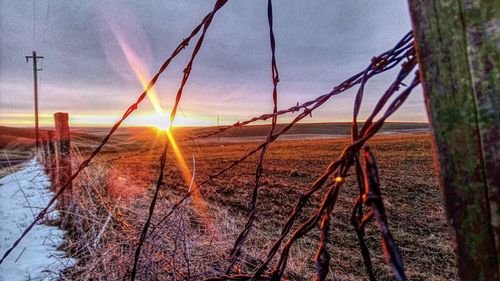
[458, 50]
[63, 146]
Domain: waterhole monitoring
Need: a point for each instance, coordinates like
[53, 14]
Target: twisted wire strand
[373, 199]
[242, 237]
[356, 216]
[159, 182]
[338, 165]
[380, 64]
[145, 228]
[184, 43]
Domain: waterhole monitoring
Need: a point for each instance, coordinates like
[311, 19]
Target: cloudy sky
[95, 50]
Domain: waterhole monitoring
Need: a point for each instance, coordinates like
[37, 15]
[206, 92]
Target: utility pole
[35, 58]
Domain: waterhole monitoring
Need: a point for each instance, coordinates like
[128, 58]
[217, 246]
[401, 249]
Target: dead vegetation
[112, 200]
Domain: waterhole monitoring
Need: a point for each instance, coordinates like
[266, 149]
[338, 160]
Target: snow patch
[23, 195]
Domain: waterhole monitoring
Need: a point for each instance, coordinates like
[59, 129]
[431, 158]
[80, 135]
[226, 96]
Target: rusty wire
[369, 193]
[401, 51]
[187, 71]
[373, 199]
[145, 228]
[182, 45]
[341, 165]
[356, 215]
[242, 237]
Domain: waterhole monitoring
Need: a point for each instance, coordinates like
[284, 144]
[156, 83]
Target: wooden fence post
[51, 156]
[458, 48]
[44, 152]
[64, 155]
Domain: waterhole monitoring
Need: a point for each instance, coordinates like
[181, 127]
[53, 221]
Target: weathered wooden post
[51, 159]
[45, 152]
[64, 155]
[458, 47]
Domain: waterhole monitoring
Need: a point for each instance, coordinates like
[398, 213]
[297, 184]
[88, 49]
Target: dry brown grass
[113, 198]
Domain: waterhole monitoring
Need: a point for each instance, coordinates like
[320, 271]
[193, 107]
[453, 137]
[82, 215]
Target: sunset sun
[258, 140]
[161, 121]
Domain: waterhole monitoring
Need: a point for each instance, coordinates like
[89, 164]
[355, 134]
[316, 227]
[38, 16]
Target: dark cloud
[319, 44]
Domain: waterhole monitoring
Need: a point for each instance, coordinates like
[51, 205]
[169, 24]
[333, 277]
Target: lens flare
[139, 71]
[197, 198]
[161, 120]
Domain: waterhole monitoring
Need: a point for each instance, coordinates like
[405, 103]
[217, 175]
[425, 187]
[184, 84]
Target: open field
[17, 143]
[113, 197]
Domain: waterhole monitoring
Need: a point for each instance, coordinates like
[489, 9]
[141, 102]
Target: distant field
[124, 179]
[334, 129]
[17, 143]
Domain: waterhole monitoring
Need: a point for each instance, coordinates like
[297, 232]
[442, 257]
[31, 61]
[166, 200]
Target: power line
[34, 25]
[182, 45]
[402, 54]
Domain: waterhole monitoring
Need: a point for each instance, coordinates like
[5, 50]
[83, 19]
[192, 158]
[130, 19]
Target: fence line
[402, 53]
[163, 157]
[242, 237]
[184, 43]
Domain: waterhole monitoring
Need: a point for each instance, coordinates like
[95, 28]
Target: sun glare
[198, 202]
[161, 121]
[139, 70]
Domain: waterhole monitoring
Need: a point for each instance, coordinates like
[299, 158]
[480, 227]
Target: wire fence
[356, 156]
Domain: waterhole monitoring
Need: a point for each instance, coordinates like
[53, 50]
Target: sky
[98, 54]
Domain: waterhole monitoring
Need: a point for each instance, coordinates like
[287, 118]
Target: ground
[194, 242]
[38, 257]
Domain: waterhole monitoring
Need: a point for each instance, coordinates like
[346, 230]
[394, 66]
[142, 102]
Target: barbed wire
[340, 168]
[368, 129]
[184, 43]
[242, 237]
[403, 53]
[372, 198]
[405, 46]
[372, 129]
[159, 182]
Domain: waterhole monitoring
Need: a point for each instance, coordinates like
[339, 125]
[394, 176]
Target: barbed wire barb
[242, 237]
[159, 183]
[328, 185]
[96, 151]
